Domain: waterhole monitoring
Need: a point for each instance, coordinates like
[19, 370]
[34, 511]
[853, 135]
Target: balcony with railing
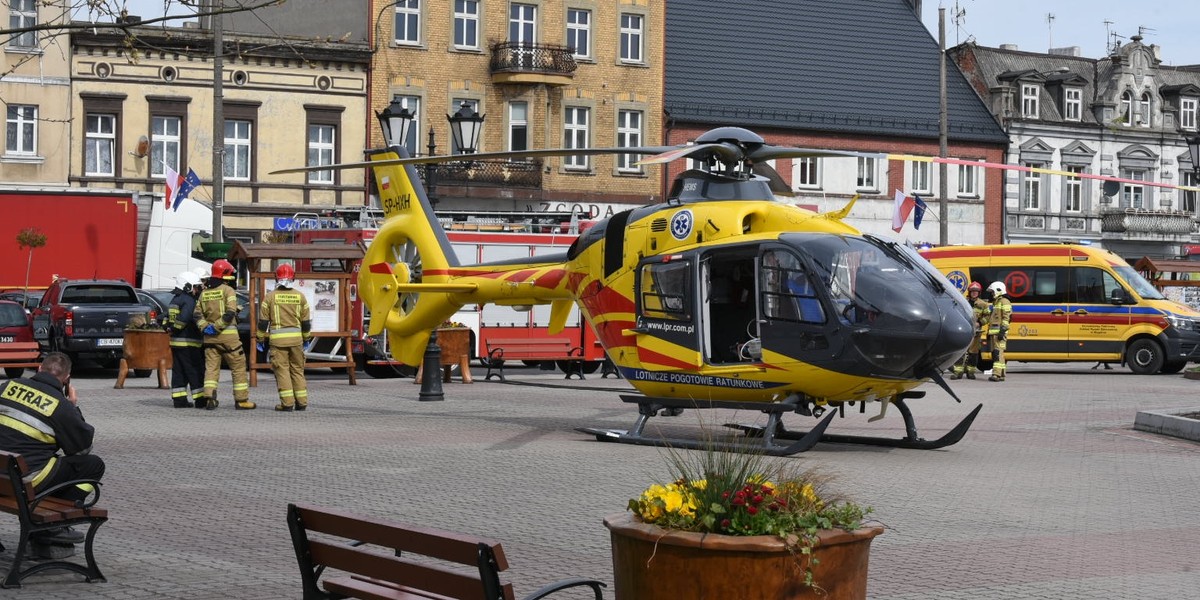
[523, 63]
[508, 173]
[1146, 224]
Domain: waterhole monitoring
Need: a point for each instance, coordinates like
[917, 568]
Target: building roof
[864, 67]
[996, 65]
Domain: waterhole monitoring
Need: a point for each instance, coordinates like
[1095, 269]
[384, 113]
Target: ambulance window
[1090, 285]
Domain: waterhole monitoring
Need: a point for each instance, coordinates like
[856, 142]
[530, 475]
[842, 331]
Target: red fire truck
[475, 237]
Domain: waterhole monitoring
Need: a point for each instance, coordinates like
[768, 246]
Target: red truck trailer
[90, 234]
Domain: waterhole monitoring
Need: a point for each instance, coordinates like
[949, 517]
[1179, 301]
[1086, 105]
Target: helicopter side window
[788, 292]
[665, 290]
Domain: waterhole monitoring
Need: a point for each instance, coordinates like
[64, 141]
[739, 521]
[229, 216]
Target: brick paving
[1051, 495]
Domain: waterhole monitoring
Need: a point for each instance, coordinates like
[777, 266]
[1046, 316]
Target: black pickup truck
[86, 318]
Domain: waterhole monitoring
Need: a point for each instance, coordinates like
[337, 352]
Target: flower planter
[144, 350]
[651, 562]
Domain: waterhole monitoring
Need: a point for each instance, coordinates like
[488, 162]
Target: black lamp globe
[465, 126]
[396, 121]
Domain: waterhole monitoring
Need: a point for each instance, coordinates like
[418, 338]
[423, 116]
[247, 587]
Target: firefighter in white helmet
[187, 352]
[998, 320]
[284, 316]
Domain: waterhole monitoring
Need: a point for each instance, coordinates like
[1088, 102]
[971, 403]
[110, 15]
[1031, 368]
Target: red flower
[752, 510]
[725, 523]
[758, 499]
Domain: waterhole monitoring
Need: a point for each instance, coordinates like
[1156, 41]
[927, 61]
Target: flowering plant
[748, 494]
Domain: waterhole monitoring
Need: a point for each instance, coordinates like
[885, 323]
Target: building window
[1073, 104]
[1143, 118]
[806, 172]
[966, 181]
[99, 145]
[164, 145]
[466, 24]
[1031, 188]
[20, 129]
[575, 136]
[408, 22]
[23, 13]
[518, 126]
[866, 174]
[522, 24]
[1073, 195]
[1187, 199]
[1133, 195]
[1029, 101]
[1187, 113]
[629, 133]
[456, 103]
[579, 32]
[236, 159]
[920, 178]
[1126, 117]
[321, 149]
[631, 38]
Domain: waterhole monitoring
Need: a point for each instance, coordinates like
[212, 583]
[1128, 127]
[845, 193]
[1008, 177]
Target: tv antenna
[1112, 41]
[1050, 29]
[959, 16]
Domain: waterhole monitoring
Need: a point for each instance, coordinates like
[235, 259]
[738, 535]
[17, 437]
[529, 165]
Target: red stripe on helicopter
[605, 300]
[464, 273]
[611, 333]
[522, 275]
[381, 268]
[551, 279]
[648, 356]
[574, 280]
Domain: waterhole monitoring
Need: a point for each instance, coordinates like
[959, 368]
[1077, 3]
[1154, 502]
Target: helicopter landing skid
[911, 440]
[649, 407]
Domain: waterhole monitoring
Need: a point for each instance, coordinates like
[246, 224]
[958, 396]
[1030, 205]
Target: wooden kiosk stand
[329, 295]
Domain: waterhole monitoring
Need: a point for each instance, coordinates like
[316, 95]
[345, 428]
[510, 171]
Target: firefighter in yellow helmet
[216, 316]
[285, 314]
[981, 310]
[998, 320]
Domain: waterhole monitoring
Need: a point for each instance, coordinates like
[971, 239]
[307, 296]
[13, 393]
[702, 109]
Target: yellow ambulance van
[1078, 303]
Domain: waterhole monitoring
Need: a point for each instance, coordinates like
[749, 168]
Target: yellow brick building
[546, 74]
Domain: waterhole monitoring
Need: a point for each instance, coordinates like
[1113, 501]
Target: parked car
[86, 317]
[15, 326]
[28, 299]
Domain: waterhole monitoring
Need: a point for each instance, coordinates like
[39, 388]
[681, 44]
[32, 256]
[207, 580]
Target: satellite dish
[1111, 188]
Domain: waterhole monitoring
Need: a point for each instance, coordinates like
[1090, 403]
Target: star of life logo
[681, 224]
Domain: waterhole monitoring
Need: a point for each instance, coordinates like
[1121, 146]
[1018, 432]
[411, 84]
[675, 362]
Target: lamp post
[431, 382]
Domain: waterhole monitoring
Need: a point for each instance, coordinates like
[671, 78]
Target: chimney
[1008, 46]
[1066, 51]
[129, 19]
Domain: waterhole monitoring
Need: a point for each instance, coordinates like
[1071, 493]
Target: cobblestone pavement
[1052, 494]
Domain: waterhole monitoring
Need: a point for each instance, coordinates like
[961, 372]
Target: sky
[1171, 24]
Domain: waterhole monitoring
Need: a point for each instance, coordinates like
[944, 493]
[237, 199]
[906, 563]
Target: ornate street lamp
[396, 121]
[465, 126]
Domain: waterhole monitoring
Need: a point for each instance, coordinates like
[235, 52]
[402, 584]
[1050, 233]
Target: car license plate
[110, 342]
[4, 339]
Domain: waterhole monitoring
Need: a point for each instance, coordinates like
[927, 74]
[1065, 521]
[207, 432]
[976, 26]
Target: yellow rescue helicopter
[719, 297]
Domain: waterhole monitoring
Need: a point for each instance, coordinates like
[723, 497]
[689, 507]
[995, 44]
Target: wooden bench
[39, 512]
[18, 356]
[405, 568]
[502, 349]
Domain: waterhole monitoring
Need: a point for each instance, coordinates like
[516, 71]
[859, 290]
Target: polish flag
[904, 207]
[174, 181]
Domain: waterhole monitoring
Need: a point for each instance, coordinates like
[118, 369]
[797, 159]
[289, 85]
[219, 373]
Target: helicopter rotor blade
[726, 153]
[445, 158]
[778, 186]
[766, 153]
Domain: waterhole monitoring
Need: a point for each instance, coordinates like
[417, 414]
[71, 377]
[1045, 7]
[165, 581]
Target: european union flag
[919, 205]
[191, 182]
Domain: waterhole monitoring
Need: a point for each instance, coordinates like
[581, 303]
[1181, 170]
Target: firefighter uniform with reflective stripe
[217, 306]
[998, 320]
[187, 352]
[981, 311]
[285, 314]
[36, 420]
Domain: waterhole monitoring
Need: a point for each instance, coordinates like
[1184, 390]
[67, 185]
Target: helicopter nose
[918, 332]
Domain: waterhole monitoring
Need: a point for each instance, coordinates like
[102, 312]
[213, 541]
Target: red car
[15, 326]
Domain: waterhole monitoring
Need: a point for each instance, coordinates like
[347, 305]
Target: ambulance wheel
[1173, 366]
[1145, 357]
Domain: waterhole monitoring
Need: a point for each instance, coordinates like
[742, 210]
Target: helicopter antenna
[1050, 29]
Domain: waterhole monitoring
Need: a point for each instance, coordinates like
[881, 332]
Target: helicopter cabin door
[667, 333]
[795, 323]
